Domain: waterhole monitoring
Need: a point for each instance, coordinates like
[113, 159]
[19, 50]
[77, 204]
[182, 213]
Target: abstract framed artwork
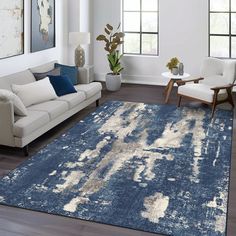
[11, 28]
[42, 25]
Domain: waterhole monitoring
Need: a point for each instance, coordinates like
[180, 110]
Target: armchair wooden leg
[230, 97]
[97, 103]
[179, 100]
[26, 150]
[213, 110]
[214, 102]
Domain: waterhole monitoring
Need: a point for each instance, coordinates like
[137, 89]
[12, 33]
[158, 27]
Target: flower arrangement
[173, 63]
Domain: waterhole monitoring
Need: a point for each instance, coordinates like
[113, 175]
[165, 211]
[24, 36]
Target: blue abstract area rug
[155, 168]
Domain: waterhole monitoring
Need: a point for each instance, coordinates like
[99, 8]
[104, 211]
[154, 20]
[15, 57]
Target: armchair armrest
[6, 123]
[228, 86]
[183, 82]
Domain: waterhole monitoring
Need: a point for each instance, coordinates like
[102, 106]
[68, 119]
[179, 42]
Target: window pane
[233, 5]
[233, 53]
[219, 5]
[149, 22]
[132, 43]
[149, 5]
[132, 5]
[219, 23]
[149, 44]
[233, 23]
[219, 46]
[131, 21]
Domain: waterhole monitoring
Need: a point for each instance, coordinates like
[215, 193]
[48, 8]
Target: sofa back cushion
[43, 68]
[20, 78]
[55, 72]
[36, 92]
[70, 71]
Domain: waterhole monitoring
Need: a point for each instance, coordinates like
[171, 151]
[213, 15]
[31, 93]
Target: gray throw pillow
[55, 72]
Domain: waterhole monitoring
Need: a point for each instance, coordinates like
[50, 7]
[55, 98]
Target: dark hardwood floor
[14, 221]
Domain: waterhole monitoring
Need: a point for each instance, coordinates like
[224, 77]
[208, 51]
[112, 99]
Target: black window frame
[229, 35]
[142, 32]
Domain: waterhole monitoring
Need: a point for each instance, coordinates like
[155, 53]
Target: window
[222, 28]
[140, 25]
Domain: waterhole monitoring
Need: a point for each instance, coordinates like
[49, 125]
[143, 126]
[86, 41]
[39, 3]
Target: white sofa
[17, 131]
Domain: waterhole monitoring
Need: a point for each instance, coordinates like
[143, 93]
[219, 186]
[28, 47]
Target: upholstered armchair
[214, 86]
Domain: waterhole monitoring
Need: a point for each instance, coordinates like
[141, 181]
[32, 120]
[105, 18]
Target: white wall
[22, 62]
[183, 33]
[73, 26]
[86, 25]
[81, 20]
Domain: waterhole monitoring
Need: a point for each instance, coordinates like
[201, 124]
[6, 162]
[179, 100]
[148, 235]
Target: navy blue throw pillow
[70, 71]
[62, 85]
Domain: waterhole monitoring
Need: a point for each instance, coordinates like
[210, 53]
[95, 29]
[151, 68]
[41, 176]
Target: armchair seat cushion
[89, 89]
[201, 92]
[24, 126]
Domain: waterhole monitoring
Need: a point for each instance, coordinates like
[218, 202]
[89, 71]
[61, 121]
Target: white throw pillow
[36, 92]
[19, 107]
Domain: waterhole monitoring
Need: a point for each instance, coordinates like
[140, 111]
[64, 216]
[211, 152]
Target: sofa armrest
[6, 123]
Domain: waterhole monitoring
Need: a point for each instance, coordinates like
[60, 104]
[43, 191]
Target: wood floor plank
[20, 222]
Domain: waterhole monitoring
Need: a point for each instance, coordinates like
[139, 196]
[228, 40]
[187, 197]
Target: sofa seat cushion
[89, 89]
[53, 108]
[200, 91]
[73, 99]
[24, 126]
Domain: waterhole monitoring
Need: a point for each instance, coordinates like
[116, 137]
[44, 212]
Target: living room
[117, 117]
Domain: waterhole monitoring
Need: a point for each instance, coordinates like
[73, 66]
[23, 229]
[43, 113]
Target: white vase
[175, 71]
[113, 82]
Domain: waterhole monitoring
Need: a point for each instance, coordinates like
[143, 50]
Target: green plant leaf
[121, 35]
[101, 37]
[118, 26]
[109, 27]
[107, 31]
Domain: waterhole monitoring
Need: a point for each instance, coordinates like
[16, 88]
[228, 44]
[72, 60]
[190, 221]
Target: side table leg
[168, 90]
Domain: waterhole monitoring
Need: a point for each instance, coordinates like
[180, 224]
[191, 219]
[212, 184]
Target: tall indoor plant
[113, 39]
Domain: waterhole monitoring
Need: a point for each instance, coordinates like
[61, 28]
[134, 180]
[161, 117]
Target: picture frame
[12, 31]
[42, 25]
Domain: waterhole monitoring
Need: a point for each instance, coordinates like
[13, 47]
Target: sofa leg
[26, 150]
[97, 103]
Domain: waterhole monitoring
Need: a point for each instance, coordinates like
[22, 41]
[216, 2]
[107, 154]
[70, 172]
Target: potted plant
[173, 65]
[113, 39]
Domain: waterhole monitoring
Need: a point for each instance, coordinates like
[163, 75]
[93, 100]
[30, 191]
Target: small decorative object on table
[181, 68]
[173, 65]
[113, 39]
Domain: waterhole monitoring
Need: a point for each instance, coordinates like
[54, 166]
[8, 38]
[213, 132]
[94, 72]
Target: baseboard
[137, 79]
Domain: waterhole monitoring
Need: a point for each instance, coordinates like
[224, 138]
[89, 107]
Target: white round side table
[172, 80]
